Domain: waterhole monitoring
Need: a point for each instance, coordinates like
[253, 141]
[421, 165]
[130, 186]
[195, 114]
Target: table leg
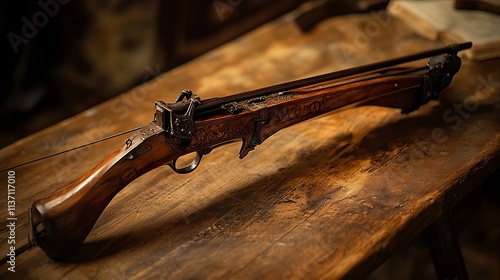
[445, 249]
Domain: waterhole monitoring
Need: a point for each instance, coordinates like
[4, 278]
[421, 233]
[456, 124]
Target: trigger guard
[190, 167]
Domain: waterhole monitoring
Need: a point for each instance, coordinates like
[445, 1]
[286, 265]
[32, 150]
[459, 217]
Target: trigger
[191, 166]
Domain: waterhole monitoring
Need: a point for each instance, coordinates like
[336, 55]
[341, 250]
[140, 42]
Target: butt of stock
[61, 222]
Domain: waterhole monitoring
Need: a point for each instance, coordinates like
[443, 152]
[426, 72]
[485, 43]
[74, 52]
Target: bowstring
[72, 149]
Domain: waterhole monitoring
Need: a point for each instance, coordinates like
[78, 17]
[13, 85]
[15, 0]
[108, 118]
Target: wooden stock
[62, 221]
[401, 92]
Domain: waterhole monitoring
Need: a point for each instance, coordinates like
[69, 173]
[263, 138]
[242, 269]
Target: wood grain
[330, 198]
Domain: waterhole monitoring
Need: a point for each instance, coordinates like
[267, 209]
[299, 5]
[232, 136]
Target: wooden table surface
[333, 197]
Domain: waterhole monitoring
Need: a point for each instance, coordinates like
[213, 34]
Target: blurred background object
[492, 6]
[449, 22]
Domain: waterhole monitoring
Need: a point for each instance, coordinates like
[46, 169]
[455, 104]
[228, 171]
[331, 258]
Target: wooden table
[333, 197]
